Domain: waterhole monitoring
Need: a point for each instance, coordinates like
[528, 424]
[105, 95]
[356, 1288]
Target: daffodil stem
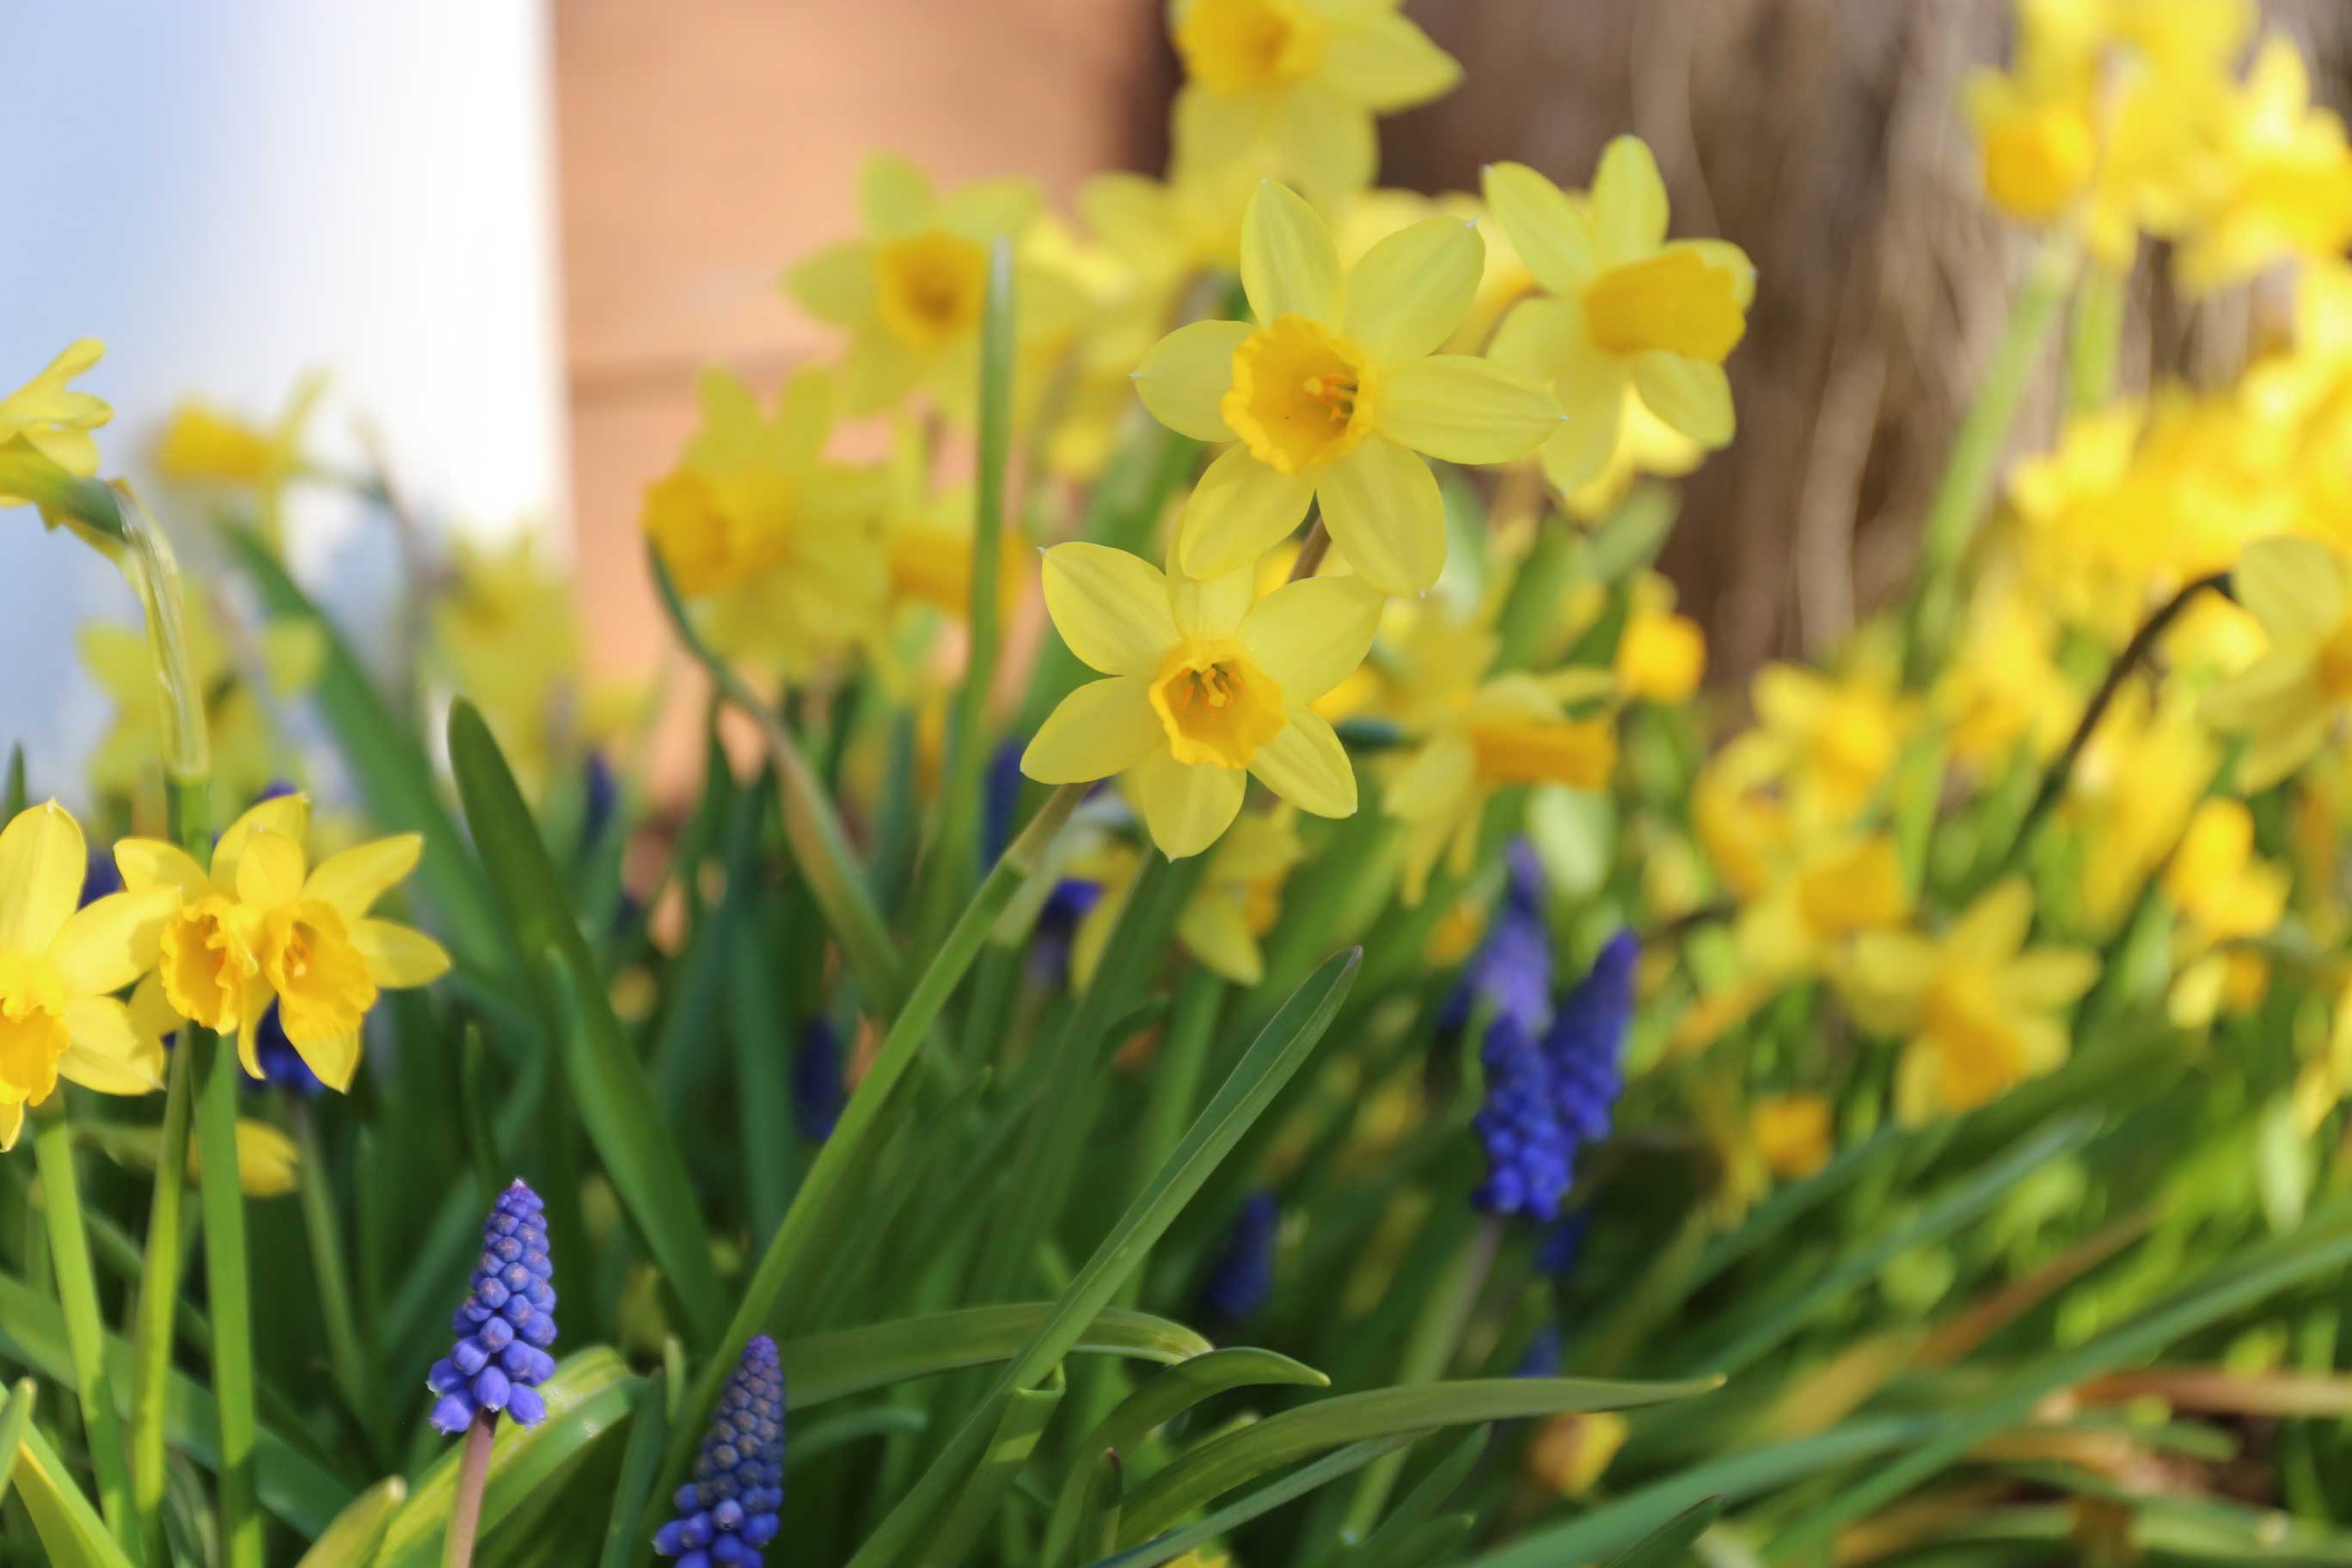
[1969, 473]
[2094, 335]
[472, 1476]
[85, 1330]
[1311, 554]
[25, 472]
[789, 1255]
[2053, 781]
[952, 868]
[350, 1362]
[228, 1284]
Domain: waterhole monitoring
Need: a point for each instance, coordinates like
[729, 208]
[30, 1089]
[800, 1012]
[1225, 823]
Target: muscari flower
[727, 1513]
[1241, 1277]
[1548, 1097]
[1630, 310]
[1207, 687]
[1333, 392]
[1292, 86]
[263, 927]
[60, 965]
[504, 1325]
[1511, 972]
[48, 417]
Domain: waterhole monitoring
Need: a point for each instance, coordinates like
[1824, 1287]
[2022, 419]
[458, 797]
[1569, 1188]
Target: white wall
[233, 192]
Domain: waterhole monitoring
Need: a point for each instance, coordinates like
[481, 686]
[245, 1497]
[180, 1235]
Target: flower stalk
[85, 1330]
[472, 1477]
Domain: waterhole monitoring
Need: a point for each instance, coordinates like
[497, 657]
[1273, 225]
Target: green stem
[788, 1255]
[326, 1236]
[228, 1284]
[472, 1476]
[85, 1330]
[1967, 486]
[2094, 336]
[949, 872]
[820, 848]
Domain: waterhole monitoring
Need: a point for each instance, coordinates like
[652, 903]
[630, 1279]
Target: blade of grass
[352, 1541]
[71, 1533]
[53, 1149]
[1021, 1417]
[640, 1463]
[1297, 1484]
[228, 1289]
[822, 1367]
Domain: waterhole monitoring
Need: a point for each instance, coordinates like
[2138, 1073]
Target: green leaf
[606, 1079]
[1021, 1415]
[352, 1541]
[822, 1367]
[1264, 1500]
[388, 764]
[852, 1427]
[1270, 1062]
[590, 1395]
[1664, 1546]
[1239, 1456]
[70, 1531]
[15, 1416]
[640, 1464]
[292, 1487]
[1385, 1547]
[1166, 1396]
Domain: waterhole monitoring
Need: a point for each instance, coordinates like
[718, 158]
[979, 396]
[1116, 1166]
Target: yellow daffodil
[2003, 687]
[2280, 182]
[48, 417]
[1369, 216]
[1236, 902]
[2226, 894]
[1646, 444]
[1291, 86]
[1840, 734]
[2130, 795]
[206, 444]
[1571, 1452]
[913, 291]
[1630, 309]
[60, 966]
[2289, 701]
[1793, 1133]
[1167, 234]
[1329, 397]
[1978, 1010]
[506, 634]
[1660, 654]
[784, 547]
[263, 926]
[1205, 689]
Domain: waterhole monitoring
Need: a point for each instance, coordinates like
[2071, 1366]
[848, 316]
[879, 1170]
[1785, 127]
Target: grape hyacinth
[505, 1324]
[819, 1096]
[1242, 1276]
[1547, 1098]
[727, 1513]
[1512, 969]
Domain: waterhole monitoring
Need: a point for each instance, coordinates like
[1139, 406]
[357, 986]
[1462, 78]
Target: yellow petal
[835, 284]
[1288, 262]
[2048, 978]
[1310, 636]
[1111, 606]
[1465, 409]
[105, 1053]
[42, 864]
[152, 1013]
[1239, 510]
[335, 1060]
[1185, 375]
[1185, 805]
[1382, 60]
[1690, 394]
[1214, 928]
[354, 878]
[268, 1163]
[1326, 144]
[152, 863]
[111, 942]
[894, 196]
[986, 209]
[288, 816]
[1722, 253]
[1211, 606]
[1412, 290]
[1103, 728]
[1993, 928]
[1381, 505]
[1629, 202]
[269, 873]
[2294, 587]
[399, 955]
[803, 418]
[1306, 765]
[1551, 236]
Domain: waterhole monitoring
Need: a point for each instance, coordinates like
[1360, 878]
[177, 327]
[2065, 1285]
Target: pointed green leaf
[1664, 1546]
[640, 1464]
[70, 1531]
[822, 1367]
[352, 1541]
[1385, 1546]
[1021, 1415]
[15, 1416]
[1264, 1500]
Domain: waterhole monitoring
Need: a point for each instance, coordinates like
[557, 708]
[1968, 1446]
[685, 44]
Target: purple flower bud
[490, 1368]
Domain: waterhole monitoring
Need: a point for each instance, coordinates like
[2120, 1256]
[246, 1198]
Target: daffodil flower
[263, 926]
[1292, 86]
[1237, 900]
[1630, 309]
[60, 966]
[1205, 689]
[206, 444]
[2290, 699]
[53, 420]
[1329, 397]
[1979, 1009]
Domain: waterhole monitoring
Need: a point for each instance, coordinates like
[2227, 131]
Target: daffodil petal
[288, 816]
[353, 879]
[1992, 929]
[1211, 606]
[988, 209]
[1385, 62]
[1239, 510]
[1306, 765]
[1310, 636]
[1185, 375]
[1722, 253]
[397, 955]
[1690, 394]
[1103, 728]
[2294, 586]
[1111, 606]
[1288, 262]
[335, 1060]
[1325, 143]
[152, 1013]
[152, 863]
[1381, 505]
[1465, 409]
[110, 942]
[42, 863]
[269, 873]
[1412, 290]
[105, 1052]
[1551, 236]
[894, 198]
[835, 284]
[2045, 979]
[1629, 202]
[877, 370]
[1185, 806]
[1214, 928]
[1583, 446]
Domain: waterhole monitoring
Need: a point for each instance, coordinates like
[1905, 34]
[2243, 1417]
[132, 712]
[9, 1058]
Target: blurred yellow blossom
[2289, 701]
[48, 417]
[1660, 654]
[1236, 903]
[506, 632]
[1838, 735]
[1572, 1452]
[2130, 795]
[2226, 894]
[2280, 183]
[207, 443]
[1328, 399]
[1793, 1133]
